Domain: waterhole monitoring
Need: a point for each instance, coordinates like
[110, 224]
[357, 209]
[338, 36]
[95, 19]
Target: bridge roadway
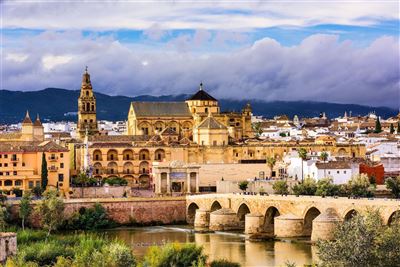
[281, 216]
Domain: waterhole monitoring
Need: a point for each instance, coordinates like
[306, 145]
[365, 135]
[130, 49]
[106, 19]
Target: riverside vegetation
[52, 246]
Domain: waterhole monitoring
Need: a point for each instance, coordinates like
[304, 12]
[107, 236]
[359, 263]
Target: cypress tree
[378, 127]
[391, 128]
[44, 172]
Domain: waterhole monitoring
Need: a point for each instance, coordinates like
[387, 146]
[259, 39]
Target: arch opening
[350, 214]
[269, 219]
[395, 216]
[311, 214]
[241, 214]
[191, 212]
[215, 206]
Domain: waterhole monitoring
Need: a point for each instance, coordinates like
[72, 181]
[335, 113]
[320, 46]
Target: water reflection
[219, 245]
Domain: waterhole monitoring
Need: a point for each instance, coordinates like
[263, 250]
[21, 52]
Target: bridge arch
[215, 206]
[394, 216]
[269, 219]
[349, 214]
[242, 211]
[191, 212]
[310, 215]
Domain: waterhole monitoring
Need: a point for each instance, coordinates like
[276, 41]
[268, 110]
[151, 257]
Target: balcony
[14, 159]
[52, 169]
[52, 158]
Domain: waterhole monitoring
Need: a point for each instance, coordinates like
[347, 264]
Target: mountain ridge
[54, 104]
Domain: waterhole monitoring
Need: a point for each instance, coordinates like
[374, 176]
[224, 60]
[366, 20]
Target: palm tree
[303, 155]
[271, 161]
[324, 156]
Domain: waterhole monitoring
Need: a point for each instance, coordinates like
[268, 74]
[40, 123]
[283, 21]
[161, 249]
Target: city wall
[163, 210]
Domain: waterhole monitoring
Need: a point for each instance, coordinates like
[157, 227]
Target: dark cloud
[321, 68]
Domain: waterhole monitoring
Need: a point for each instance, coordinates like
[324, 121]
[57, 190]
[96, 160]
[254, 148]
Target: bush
[223, 263]
[243, 185]
[393, 184]
[89, 219]
[359, 186]
[17, 192]
[115, 181]
[45, 253]
[28, 236]
[326, 187]
[37, 191]
[280, 187]
[308, 187]
[362, 241]
[175, 255]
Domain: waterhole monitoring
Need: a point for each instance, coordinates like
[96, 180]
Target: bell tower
[86, 108]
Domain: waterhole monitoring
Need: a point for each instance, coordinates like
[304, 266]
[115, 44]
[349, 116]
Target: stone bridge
[281, 216]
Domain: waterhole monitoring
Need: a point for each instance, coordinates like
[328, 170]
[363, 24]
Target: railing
[14, 159]
[144, 172]
[51, 158]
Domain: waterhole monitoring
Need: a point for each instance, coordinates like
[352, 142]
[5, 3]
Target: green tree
[326, 187]
[303, 155]
[82, 179]
[362, 241]
[393, 184]
[271, 161]
[392, 128]
[324, 157]
[89, 219]
[44, 172]
[25, 208]
[243, 185]
[51, 211]
[280, 187]
[378, 127]
[257, 128]
[359, 186]
[307, 187]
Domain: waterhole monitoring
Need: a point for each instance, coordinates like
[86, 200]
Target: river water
[219, 245]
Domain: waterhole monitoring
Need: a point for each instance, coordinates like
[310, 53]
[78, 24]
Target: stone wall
[163, 210]
[8, 245]
[100, 192]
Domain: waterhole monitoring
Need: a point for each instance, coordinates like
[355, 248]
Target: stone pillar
[224, 219]
[188, 182]
[168, 183]
[197, 182]
[324, 225]
[288, 225]
[253, 223]
[158, 183]
[201, 220]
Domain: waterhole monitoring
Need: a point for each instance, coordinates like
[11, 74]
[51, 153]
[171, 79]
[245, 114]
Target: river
[219, 245]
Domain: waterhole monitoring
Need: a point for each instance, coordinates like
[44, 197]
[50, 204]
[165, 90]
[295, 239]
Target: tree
[308, 187]
[324, 157]
[25, 208]
[391, 128]
[243, 185]
[280, 187]
[326, 187]
[362, 241]
[257, 128]
[393, 184]
[271, 161]
[82, 179]
[37, 191]
[359, 186]
[303, 155]
[44, 172]
[51, 210]
[378, 127]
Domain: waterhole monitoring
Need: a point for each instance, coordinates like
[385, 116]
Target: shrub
[37, 191]
[362, 241]
[17, 192]
[280, 187]
[45, 253]
[175, 255]
[224, 263]
[393, 184]
[115, 181]
[307, 187]
[243, 185]
[28, 236]
[359, 186]
[89, 219]
[326, 187]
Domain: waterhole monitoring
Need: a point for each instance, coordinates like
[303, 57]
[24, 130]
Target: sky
[333, 51]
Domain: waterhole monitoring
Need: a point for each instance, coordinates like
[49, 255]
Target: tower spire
[27, 118]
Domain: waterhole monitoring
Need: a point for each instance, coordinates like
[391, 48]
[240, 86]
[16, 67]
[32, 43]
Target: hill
[57, 104]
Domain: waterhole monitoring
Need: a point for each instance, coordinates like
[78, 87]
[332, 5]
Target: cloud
[320, 68]
[215, 15]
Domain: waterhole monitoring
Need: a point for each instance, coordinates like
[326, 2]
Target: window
[344, 172]
[30, 184]
[237, 154]
[7, 173]
[37, 183]
[5, 164]
[206, 110]
[7, 183]
[214, 143]
[14, 172]
[23, 164]
[1, 164]
[1, 173]
[61, 177]
[14, 164]
[61, 155]
[1, 156]
[61, 165]
[14, 157]
[18, 183]
[5, 156]
[338, 172]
